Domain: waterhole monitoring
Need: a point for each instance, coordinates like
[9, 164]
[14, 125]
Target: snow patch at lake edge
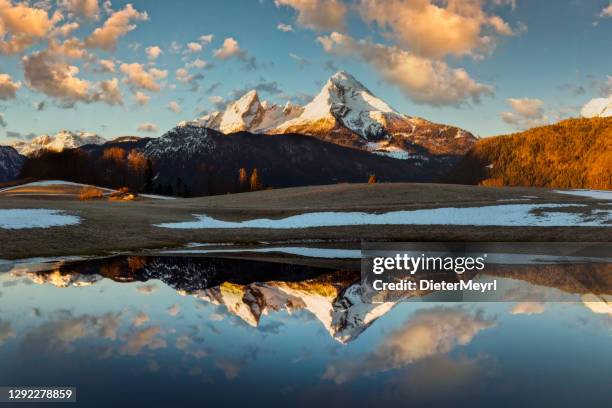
[35, 218]
[518, 215]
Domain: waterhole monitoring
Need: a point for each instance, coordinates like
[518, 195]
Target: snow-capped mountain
[62, 140]
[340, 309]
[10, 163]
[249, 114]
[345, 112]
[598, 108]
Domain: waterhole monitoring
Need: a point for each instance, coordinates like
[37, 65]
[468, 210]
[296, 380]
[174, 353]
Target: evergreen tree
[255, 181]
[242, 180]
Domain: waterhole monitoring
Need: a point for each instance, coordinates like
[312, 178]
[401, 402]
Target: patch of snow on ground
[329, 253]
[596, 194]
[35, 218]
[511, 215]
[156, 197]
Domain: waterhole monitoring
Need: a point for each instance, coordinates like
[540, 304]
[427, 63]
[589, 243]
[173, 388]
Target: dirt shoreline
[108, 227]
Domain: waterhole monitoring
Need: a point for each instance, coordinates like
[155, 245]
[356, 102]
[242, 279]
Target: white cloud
[175, 47]
[140, 319]
[197, 63]
[45, 73]
[174, 310]
[147, 338]
[528, 108]
[229, 49]
[65, 30]
[22, 26]
[107, 65]
[151, 128]
[174, 107]
[301, 61]
[217, 101]
[110, 92]
[153, 52]
[182, 75]
[194, 47]
[526, 113]
[423, 80]
[206, 39]
[527, 308]
[428, 333]
[88, 9]
[118, 24]
[598, 107]
[435, 29]
[141, 98]
[286, 28]
[324, 15]
[138, 76]
[8, 88]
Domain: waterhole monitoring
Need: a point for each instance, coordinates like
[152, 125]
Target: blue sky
[523, 63]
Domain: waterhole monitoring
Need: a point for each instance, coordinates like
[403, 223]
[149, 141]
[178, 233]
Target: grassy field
[109, 226]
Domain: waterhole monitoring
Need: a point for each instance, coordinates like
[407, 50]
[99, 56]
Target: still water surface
[182, 331]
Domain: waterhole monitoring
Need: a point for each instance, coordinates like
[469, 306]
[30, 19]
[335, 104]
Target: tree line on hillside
[117, 167]
[575, 153]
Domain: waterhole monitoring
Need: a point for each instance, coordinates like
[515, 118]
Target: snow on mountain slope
[346, 113]
[65, 139]
[599, 107]
[248, 114]
[10, 163]
[347, 101]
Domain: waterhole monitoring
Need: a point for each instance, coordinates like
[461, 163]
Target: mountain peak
[242, 114]
[346, 80]
[64, 139]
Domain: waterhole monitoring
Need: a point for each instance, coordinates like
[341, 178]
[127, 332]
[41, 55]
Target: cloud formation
[141, 98]
[8, 88]
[193, 47]
[147, 338]
[527, 308]
[435, 29]
[606, 12]
[118, 24]
[45, 73]
[206, 39]
[150, 128]
[87, 9]
[423, 80]
[153, 52]
[526, 113]
[173, 106]
[139, 77]
[285, 28]
[428, 333]
[322, 15]
[229, 49]
[22, 26]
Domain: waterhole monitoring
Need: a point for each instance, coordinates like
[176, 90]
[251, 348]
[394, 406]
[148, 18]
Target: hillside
[195, 161]
[575, 153]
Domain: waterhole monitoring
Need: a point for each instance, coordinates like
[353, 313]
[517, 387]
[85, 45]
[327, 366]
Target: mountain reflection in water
[231, 332]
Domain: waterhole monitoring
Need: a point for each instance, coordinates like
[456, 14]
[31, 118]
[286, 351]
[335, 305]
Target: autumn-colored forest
[575, 153]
